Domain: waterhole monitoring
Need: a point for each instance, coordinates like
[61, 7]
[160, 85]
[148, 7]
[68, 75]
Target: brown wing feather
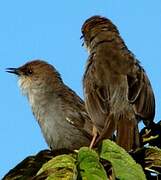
[141, 96]
[140, 90]
[97, 109]
[96, 97]
[76, 114]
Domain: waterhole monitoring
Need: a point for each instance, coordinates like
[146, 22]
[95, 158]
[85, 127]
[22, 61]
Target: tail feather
[128, 134]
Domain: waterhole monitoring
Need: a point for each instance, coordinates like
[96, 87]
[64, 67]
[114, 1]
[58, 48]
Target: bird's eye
[28, 72]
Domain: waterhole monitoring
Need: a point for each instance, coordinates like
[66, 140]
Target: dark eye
[28, 72]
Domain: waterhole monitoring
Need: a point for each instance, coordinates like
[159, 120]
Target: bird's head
[93, 26]
[36, 75]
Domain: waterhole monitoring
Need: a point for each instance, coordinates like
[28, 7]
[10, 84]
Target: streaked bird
[59, 111]
[117, 90]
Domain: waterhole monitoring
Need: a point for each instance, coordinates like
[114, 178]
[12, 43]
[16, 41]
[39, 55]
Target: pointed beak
[13, 71]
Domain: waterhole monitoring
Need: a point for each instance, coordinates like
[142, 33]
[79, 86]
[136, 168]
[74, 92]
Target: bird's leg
[95, 133]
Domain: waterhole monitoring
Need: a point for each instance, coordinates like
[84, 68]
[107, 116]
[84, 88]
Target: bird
[117, 91]
[59, 111]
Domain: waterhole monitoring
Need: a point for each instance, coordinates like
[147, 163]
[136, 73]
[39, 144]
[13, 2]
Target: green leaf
[61, 167]
[124, 166]
[89, 166]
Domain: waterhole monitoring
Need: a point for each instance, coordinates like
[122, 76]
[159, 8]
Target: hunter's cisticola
[59, 111]
[117, 90]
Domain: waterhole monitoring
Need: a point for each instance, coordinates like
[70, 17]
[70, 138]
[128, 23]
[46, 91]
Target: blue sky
[50, 30]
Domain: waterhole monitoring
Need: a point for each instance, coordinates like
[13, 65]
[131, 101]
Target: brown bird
[117, 90]
[59, 111]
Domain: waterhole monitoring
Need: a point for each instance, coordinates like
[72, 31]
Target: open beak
[12, 70]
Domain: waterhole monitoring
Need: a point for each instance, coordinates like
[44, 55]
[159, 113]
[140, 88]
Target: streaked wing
[76, 114]
[141, 95]
[123, 62]
[96, 97]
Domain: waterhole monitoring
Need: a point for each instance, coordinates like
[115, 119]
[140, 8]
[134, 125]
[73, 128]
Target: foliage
[108, 161]
[124, 166]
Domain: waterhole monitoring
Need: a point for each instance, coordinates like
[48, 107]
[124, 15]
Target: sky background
[50, 30]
